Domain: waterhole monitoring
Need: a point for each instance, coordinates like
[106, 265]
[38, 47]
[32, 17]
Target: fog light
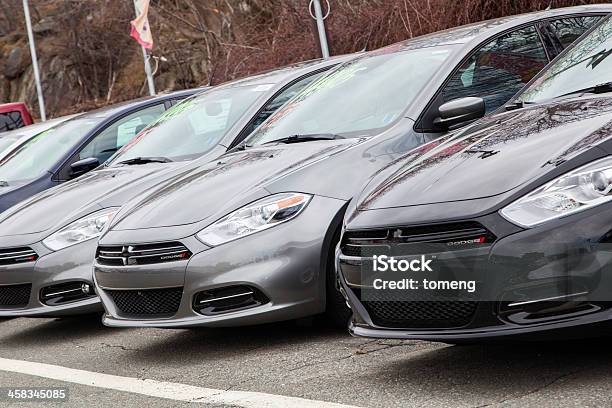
[66, 292]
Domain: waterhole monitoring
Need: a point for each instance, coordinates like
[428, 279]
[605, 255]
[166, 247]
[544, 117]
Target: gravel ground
[309, 362]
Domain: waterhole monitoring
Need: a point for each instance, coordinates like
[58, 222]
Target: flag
[141, 31]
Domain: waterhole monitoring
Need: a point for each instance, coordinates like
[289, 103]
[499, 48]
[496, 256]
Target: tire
[337, 313]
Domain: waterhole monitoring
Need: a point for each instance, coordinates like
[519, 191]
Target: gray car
[250, 238]
[48, 243]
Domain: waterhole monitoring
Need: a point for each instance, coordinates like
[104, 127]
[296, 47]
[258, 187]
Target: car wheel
[337, 312]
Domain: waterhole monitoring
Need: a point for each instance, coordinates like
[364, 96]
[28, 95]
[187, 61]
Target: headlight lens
[88, 227]
[255, 217]
[572, 192]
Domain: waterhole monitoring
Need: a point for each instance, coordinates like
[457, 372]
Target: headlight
[570, 193]
[255, 217]
[88, 227]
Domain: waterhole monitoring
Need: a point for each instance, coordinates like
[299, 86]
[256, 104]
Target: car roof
[275, 76]
[36, 128]
[475, 33]
[13, 105]
[118, 108]
[289, 72]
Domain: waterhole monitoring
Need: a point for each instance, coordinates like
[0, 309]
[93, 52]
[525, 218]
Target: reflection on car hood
[57, 206]
[494, 156]
[218, 187]
[12, 185]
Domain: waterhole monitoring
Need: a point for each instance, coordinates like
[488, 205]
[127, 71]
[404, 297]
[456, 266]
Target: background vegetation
[88, 59]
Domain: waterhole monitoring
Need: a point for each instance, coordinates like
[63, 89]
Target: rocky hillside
[88, 59]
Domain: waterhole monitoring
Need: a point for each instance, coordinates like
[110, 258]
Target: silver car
[250, 237]
[48, 243]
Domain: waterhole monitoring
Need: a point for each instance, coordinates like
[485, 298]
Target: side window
[567, 30]
[271, 106]
[111, 139]
[10, 121]
[497, 70]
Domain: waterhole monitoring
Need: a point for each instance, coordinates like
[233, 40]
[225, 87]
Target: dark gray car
[250, 237]
[47, 244]
[74, 147]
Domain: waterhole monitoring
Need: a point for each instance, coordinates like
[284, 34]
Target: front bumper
[284, 265]
[72, 264]
[572, 256]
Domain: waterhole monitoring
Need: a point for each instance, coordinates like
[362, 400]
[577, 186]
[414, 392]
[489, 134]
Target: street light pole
[321, 28]
[41, 100]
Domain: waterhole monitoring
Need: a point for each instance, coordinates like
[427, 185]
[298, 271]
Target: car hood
[98, 189]
[14, 185]
[493, 156]
[219, 187]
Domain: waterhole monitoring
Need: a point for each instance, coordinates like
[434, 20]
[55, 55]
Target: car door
[111, 138]
[494, 71]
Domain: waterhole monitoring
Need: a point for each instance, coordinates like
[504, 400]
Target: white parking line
[161, 389]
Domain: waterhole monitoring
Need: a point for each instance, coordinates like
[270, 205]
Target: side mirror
[83, 166]
[459, 112]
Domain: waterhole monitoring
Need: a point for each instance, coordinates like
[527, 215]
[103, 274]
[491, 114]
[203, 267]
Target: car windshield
[194, 126]
[357, 99]
[37, 155]
[7, 141]
[586, 65]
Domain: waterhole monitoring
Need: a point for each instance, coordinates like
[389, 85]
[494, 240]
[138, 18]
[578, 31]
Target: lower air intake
[228, 299]
[15, 295]
[419, 314]
[66, 292]
[147, 302]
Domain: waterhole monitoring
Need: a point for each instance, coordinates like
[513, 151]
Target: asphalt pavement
[260, 366]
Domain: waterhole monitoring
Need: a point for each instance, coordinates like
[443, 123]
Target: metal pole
[41, 99]
[147, 64]
[321, 28]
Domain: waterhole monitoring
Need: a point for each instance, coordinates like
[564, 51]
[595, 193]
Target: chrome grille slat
[18, 255]
[354, 243]
[142, 254]
[181, 247]
[154, 255]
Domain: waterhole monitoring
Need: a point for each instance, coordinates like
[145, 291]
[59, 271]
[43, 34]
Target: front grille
[418, 314]
[12, 256]
[147, 302]
[15, 295]
[146, 254]
[425, 239]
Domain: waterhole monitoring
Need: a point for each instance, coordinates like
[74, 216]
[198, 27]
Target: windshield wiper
[241, 146]
[596, 89]
[145, 160]
[517, 105]
[306, 138]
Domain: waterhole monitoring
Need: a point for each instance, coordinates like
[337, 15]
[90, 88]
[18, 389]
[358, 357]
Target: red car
[14, 115]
